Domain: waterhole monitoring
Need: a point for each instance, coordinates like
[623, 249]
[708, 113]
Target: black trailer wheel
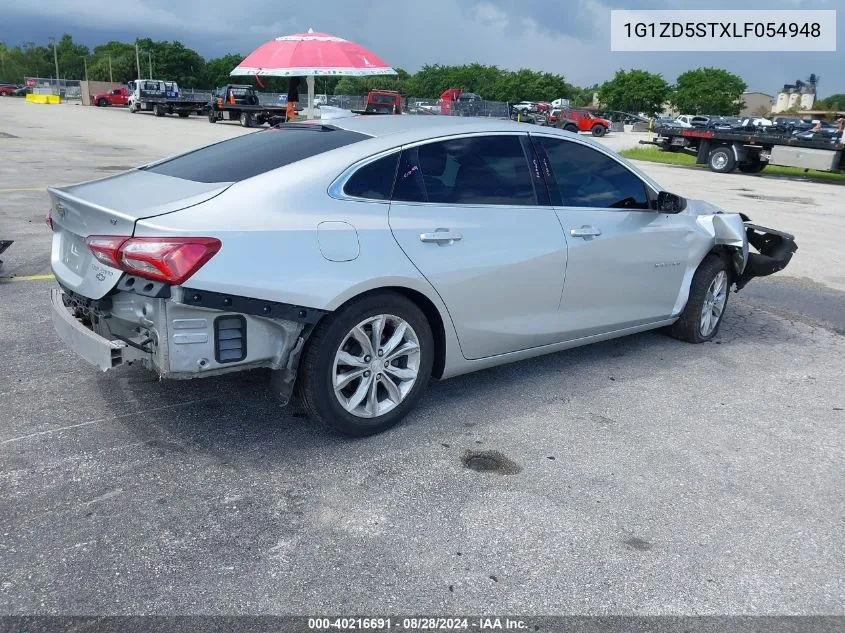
[246, 119]
[212, 116]
[754, 167]
[158, 109]
[721, 160]
[183, 114]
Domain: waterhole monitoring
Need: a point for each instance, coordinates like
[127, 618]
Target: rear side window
[487, 170]
[374, 180]
[253, 154]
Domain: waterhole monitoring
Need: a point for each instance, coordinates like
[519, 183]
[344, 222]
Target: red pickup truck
[118, 97]
[586, 121]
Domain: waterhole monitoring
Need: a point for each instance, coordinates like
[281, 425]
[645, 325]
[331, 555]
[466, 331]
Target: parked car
[291, 261]
[12, 90]
[556, 120]
[689, 120]
[585, 120]
[117, 97]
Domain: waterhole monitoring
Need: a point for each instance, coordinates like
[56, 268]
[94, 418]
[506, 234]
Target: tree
[113, 61]
[349, 86]
[634, 91]
[171, 60]
[708, 91]
[216, 71]
[833, 102]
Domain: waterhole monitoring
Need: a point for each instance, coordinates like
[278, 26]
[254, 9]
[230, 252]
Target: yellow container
[34, 98]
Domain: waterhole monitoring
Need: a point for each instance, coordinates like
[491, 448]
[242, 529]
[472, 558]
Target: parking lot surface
[641, 475]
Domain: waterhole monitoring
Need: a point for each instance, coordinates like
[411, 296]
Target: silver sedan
[360, 257]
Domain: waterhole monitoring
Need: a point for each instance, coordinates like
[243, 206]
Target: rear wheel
[599, 130]
[754, 167]
[708, 298]
[571, 128]
[366, 366]
[246, 119]
[721, 160]
[158, 110]
[212, 116]
[184, 115]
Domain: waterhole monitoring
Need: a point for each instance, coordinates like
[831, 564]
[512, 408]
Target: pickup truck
[383, 102]
[584, 119]
[117, 97]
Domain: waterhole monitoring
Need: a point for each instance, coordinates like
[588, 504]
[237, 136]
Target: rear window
[253, 154]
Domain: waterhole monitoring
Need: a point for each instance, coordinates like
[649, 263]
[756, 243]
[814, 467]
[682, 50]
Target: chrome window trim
[336, 187]
[610, 154]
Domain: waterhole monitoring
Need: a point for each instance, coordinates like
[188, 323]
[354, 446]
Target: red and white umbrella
[311, 55]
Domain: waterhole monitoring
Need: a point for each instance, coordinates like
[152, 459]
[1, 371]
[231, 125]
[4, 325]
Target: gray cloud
[568, 37]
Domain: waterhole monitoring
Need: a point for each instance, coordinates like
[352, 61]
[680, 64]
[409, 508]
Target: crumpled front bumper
[774, 252]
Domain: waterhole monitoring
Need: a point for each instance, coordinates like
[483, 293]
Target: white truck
[164, 97]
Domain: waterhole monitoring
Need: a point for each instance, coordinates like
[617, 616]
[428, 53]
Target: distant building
[798, 96]
[753, 102]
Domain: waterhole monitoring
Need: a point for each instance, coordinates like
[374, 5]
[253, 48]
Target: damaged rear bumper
[774, 252]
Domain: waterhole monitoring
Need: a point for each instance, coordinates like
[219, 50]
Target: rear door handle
[585, 231]
[440, 236]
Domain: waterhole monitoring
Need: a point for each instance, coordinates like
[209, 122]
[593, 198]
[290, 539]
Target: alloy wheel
[376, 365]
[714, 303]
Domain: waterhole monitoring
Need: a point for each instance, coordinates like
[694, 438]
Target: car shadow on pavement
[235, 416]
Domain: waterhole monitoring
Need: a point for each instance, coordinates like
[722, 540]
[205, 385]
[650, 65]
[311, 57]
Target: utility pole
[85, 61]
[137, 60]
[55, 59]
[111, 79]
[151, 63]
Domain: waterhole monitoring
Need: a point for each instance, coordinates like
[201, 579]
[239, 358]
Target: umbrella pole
[310, 81]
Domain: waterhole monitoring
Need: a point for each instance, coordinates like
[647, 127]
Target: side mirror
[670, 202]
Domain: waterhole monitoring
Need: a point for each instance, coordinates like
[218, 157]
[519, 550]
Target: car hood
[702, 207]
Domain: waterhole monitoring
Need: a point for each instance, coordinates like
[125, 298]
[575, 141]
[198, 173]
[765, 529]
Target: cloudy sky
[570, 37]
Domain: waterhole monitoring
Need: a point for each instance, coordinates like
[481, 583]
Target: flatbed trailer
[726, 150]
[183, 106]
[242, 103]
[163, 97]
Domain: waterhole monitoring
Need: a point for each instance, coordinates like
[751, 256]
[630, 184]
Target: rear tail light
[49, 222]
[169, 259]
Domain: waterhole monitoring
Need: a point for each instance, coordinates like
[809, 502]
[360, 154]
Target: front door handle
[585, 231]
[440, 236]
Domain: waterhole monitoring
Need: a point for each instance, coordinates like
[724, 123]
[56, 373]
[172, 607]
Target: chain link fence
[66, 89]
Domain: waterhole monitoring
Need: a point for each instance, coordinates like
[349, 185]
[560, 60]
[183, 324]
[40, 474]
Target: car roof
[423, 126]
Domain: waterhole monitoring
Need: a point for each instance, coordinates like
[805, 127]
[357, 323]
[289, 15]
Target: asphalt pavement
[638, 476]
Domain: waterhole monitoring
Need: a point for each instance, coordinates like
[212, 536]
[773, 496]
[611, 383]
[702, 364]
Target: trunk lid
[111, 206]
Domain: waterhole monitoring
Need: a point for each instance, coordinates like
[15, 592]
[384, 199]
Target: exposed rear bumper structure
[92, 347]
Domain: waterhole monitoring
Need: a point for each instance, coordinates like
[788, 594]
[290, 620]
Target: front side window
[585, 177]
[489, 170]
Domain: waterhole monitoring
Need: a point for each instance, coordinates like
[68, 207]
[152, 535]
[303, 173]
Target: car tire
[709, 291]
[103, 103]
[721, 160]
[212, 116]
[599, 130]
[571, 128]
[335, 335]
[158, 110]
[246, 119]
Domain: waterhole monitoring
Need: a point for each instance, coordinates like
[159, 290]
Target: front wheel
[103, 103]
[708, 298]
[367, 365]
[599, 130]
[212, 116]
